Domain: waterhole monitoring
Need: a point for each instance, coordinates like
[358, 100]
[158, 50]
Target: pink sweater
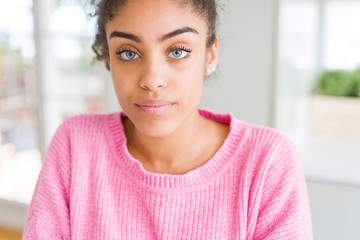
[91, 188]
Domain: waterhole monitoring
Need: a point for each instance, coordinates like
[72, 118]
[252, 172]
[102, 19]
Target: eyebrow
[178, 32]
[124, 35]
[163, 38]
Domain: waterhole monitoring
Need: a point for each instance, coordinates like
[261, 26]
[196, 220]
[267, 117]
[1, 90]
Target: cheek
[123, 79]
[122, 88]
[194, 77]
[191, 83]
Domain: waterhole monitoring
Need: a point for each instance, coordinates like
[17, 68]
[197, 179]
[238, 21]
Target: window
[71, 82]
[20, 158]
[47, 74]
[315, 36]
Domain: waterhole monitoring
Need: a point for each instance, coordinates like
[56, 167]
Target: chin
[155, 126]
[155, 129]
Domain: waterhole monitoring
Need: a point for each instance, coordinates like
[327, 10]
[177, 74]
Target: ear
[212, 58]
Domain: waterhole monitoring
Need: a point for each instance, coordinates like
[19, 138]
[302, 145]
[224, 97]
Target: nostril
[164, 84]
[152, 85]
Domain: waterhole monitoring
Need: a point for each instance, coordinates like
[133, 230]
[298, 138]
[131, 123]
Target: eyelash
[182, 48]
[121, 51]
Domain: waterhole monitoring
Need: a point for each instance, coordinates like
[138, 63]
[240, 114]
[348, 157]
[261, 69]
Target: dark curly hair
[105, 11]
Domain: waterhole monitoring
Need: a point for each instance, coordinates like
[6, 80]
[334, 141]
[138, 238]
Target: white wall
[335, 211]
[243, 82]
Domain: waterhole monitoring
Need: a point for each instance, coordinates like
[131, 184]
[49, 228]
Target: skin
[149, 67]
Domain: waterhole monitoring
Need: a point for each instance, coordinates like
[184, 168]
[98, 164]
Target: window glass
[297, 63]
[42, 86]
[19, 123]
[72, 82]
[316, 37]
[342, 42]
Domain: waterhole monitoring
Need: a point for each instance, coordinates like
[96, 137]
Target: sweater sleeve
[284, 211]
[48, 213]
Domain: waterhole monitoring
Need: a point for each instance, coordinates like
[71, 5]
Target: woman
[163, 169]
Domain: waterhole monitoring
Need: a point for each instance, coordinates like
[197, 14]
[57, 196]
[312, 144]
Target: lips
[155, 107]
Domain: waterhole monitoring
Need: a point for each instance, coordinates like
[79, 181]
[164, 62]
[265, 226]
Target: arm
[48, 215]
[284, 211]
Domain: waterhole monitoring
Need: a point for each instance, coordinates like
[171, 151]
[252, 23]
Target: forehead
[155, 17]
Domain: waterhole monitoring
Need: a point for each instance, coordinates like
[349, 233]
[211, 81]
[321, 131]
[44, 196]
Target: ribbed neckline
[189, 181]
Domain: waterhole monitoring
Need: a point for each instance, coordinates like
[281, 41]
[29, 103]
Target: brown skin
[178, 140]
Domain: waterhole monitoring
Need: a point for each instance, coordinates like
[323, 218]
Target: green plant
[356, 76]
[337, 83]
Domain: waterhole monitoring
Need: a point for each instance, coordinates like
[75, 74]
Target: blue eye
[127, 55]
[179, 53]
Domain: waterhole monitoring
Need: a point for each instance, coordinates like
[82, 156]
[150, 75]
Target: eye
[179, 53]
[127, 55]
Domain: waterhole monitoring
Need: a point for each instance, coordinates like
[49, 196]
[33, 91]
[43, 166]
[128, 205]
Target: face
[158, 61]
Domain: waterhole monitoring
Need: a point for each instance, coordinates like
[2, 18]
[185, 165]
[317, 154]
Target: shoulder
[85, 127]
[269, 157]
[259, 135]
[255, 141]
[268, 137]
[83, 120]
[87, 122]
[265, 145]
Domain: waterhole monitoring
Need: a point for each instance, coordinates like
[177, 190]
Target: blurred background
[289, 64]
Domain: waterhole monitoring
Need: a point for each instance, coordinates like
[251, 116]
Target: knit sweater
[90, 187]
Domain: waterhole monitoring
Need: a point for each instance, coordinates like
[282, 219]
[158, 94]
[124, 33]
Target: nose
[153, 77]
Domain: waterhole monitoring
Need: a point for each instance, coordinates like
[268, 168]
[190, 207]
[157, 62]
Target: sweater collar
[198, 177]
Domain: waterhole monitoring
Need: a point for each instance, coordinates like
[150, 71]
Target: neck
[174, 152]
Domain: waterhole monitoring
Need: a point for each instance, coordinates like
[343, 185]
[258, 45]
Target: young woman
[162, 168]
